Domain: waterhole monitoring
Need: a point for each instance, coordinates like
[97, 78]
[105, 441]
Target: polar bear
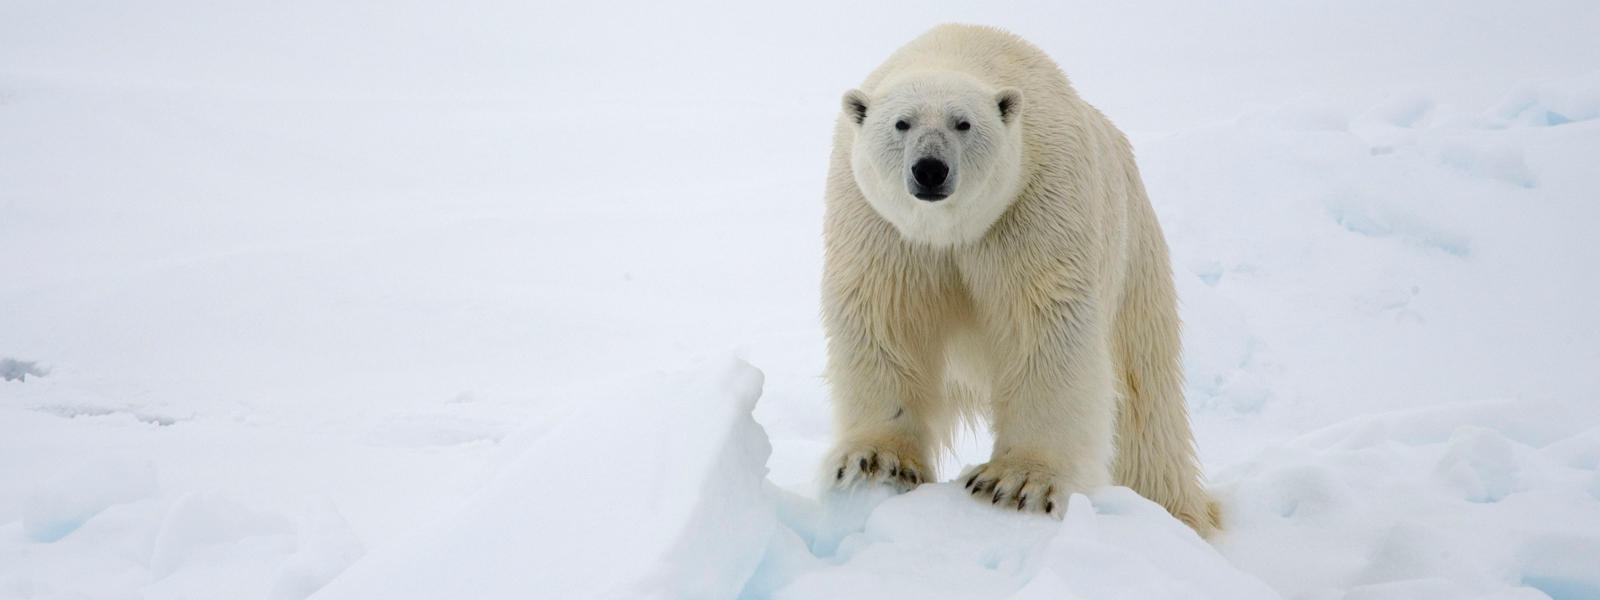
[991, 253]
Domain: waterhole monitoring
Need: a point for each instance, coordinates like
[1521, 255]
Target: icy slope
[652, 490]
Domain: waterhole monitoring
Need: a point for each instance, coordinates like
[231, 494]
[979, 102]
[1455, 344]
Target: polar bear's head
[938, 154]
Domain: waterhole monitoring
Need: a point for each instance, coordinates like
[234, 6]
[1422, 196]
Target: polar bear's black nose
[930, 172]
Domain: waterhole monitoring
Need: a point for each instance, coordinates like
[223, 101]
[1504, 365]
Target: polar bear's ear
[855, 105]
[1009, 101]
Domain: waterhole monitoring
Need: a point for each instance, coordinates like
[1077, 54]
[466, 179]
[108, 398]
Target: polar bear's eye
[902, 125]
[963, 126]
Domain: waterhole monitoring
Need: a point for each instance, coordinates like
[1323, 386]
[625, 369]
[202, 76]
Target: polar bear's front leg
[881, 414]
[1054, 412]
[884, 371]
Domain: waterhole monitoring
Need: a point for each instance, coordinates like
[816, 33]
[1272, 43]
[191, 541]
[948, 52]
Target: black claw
[997, 494]
[894, 471]
[1021, 502]
[863, 464]
[1050, 507]
[971, 480]
[840, 475]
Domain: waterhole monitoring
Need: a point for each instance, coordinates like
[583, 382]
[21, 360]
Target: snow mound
[697, 518]
[582, 513]
[62, 504]
[1550, 103]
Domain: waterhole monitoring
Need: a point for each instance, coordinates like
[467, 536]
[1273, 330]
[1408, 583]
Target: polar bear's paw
[1022, 485]
[868, 464]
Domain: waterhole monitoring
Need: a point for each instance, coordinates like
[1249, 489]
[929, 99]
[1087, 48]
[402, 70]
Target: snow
[1114, 545]
[502, 300]
[1469, 499]
[692, 513]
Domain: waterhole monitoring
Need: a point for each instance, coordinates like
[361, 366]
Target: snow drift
[652, 491]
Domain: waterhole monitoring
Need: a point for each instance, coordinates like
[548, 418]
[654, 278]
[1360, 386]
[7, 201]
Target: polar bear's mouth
[930, 196]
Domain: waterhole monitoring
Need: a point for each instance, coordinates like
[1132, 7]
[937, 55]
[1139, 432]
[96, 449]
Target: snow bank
[63, 503]
[655, 489]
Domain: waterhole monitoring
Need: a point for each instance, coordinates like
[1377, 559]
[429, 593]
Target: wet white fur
[1038, 296]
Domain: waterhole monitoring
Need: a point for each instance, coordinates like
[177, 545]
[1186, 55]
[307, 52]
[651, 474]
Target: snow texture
[691, 513]
[428, 301]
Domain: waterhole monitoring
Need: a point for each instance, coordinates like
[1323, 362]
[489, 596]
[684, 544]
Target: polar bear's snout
[928, 178]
